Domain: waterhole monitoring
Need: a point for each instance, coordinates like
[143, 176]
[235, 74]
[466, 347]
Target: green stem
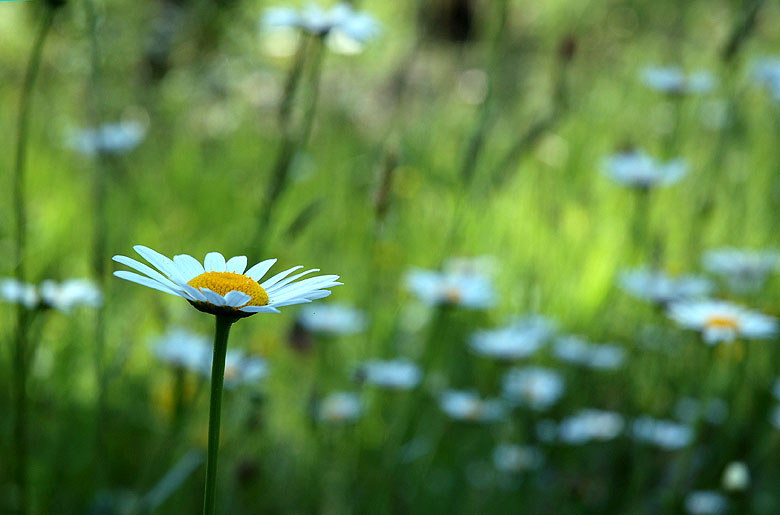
[215, 410]
[22, 316]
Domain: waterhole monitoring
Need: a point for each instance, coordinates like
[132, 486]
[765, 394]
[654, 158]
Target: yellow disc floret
[224, 282]
[721, 322]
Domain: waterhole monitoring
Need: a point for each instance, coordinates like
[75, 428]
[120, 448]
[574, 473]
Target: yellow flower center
[721, 322]
[224, 282]
[452, 295]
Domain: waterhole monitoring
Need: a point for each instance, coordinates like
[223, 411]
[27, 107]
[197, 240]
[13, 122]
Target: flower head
[705, 502]
[513, 458]
[470, 407]
[743, 270]
[721, 321]
[598, 356]
[332, 319]
[766, 72]
[397, 374]
[467, 288]
[69, 294]
[535, 387]
[109, 138]
[18, 292]
[590, 424]
[519, 339]
[659, 288]
[183, 349]
[673, 80]
[339, 408]
[639, 170]
[663, 433]
[223, 287]
[240, 368]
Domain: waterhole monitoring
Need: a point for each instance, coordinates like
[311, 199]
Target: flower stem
[215, 410]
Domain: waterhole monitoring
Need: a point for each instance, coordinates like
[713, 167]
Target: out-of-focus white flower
[736, 477]
[705, 502]
[766, 72]
[639, 170]
[70, 294]
[470, 290]
[109, 138]
[512, 458]
[518, 340]
[659, 288]
[348, 29]
[468, 406]
[599, 356]
[332, 319]
[535, 387]
[721, 321]
[589, 425]
[743, 270]
[183, 348]
[18, 292]
[397, 374]
[240, 368]
[673, 80]
[689, 410]
[340, 408]
[663, 433]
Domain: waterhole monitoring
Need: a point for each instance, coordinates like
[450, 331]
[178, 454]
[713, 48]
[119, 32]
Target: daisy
[518, 340]
[574, 349]
[332, 319]
[657, 287]
[673, 80]
[240, 368]
[721, 321]
[340, 408]
[470, 407]
[535, 387]
[69, 294]
[17, 292]
[468, 289]
[639, 170]
[513, 458]
[223, 287]
[397, 374]
[736, 477]
[743, 270]
[109, 138]
[590, 424]
[663, 433]
[182, 349]
[766, 72]
[705, 502]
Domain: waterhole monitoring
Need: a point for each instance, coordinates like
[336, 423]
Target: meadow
[545, 239]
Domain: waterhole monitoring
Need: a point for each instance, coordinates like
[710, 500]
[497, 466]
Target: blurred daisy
[673, 80]
[512, 458]
[467, 289]
[341, 24]
[240, 368]
[468, 406]
[721, 321]
[589, 425]
[663, 433]
[332, 319]
[339, 408]
[705, 502]
[221, 287]
[183, 349]
[743, 270]
[397, 374]
[736, 477]
[518, 340]
[689, 410]
[70, 294]
[109, 138]
[766, 72]
[17, 292]
[574, 349]
[659, 288]
[535, 387]
[639, 170]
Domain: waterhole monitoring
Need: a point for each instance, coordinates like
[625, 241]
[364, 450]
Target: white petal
[145, 281]
[213, 298]
[193, 293]
[235, 299]
[189, 267]
[278, 277]
[157, 260]
[290, 302]
[290, 279]
[259, 270]
[140, 267]
[313, 283]
[236, 264]
[214, 262]
[259, 309]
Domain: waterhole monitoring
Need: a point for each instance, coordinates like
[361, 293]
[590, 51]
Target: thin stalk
[22, 315]
[215, 410]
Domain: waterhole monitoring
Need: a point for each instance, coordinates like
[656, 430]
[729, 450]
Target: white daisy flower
[223, 287]
[513, 458]
[743, 270]
[659, 288]
[736, 477]
[109, 138]
[17, 292]
[766, 72]
[673, 80]
[574, 349]
[470, 407]
[339, 408]
[589, 425]
[663, 433]
[468, 290]
[535, 387]
[397, 374]
[639, 170]
[332, 319]
[721, 321]
[690, 410]
[518, 340]
[705, 502]
[240, 368]
[181, 348]
[69, 294]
